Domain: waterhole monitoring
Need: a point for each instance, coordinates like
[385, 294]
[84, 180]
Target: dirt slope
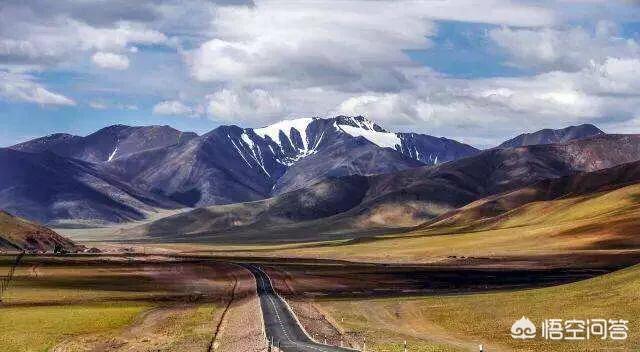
[18, 233]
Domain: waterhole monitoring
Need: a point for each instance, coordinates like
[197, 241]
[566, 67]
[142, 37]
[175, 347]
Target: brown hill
[18, 234]
[550, 189]
[398, 200]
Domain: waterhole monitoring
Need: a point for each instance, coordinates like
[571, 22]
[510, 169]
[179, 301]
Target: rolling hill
[575, 185]
[397, 200]
[551, 136]
[18, 234]
[48, 188]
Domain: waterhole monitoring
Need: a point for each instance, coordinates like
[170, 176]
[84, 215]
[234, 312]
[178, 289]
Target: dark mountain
[231, 164]
[49, 188]
[574, 185]
[107, 144]
[54, 142]
[19, 234]
[549, 136]
[212, 169]
[326, 198]
[402, 199]
[345, 156]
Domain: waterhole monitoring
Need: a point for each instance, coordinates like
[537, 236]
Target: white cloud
[22, 87]
[102, 105]
[243, 105]
[98, 105]
[567, 49]
[254, 64]
[118, 38]
[344, 49]
[487, 110]
[172, 107]
[110, 61]
[27, 38]
[389, 107]
[332, 54]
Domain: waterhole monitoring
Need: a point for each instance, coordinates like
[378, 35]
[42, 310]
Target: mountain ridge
[232, 164]
[158, 166]
[552, 136]
[19, 234]
[406, 198]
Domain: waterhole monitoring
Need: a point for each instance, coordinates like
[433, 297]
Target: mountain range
[362, 204]
[550, 136]
[119, 172]
[326, 176]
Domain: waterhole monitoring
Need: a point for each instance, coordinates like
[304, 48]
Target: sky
[476, 71]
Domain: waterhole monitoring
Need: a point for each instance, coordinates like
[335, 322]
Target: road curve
[280, 323]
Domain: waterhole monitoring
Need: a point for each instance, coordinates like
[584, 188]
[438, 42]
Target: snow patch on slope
[113, 154]
[285, 127]
[273, 131]
[381, 139]
[256, 153]
[363, 123]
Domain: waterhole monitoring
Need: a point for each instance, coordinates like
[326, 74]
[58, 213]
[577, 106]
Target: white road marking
[275, 309]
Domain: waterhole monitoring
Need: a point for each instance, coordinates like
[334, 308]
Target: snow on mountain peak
[285, 126]
[356, 126]
[381, 139]
[359, 122]
[360, 126]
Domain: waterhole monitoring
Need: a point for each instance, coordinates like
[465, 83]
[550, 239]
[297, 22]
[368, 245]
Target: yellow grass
[602, 221]
[93, 304]
[24, 329]
[467, 320]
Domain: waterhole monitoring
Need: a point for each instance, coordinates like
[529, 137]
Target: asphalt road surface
[280, 323]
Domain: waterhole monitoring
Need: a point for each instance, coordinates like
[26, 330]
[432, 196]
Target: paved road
[280, 323]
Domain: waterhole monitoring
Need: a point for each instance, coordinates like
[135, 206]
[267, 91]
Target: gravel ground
[242, 328]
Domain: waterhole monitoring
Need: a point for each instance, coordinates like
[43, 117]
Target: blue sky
[477, 71]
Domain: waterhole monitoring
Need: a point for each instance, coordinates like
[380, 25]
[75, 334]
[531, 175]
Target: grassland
[39, 328]
[70, 305]
[603, 223]
[461, 322]
[572, 231]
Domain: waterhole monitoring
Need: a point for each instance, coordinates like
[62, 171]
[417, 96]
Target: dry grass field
[461, 322]
[114, 304]
[172, 301]
[580, 231]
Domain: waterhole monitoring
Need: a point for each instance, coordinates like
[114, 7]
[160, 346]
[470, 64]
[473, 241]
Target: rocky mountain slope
[19, 234]
[400, 199]
[551, 136]
[574, 185]
[232, 164]
[47, 188]
[107, 144]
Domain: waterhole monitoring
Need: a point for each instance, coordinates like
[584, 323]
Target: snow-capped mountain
[292, 140]
[232, 164]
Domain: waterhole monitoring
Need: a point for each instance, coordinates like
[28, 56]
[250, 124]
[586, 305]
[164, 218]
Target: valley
[159, 235]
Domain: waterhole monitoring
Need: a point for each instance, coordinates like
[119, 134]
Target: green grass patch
[29, 329]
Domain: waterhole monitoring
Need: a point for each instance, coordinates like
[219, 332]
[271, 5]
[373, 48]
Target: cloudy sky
[477, 71]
